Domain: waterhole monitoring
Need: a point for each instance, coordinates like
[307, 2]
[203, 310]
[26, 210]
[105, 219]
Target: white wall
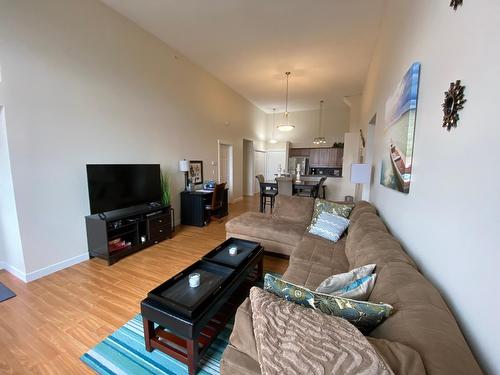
[11, 256]
[85, 85]
[335, 124]
[248, 167]
[449, 221]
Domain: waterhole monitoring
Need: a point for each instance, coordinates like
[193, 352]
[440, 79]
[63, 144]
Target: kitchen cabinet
[299, 152]
[336, 157]
[327, 157]
[319, 157]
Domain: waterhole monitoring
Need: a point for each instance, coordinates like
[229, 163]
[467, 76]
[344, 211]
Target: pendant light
[320, 140]
[286, 127]
[272, 140]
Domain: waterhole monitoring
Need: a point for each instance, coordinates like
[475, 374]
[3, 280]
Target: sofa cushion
[309, 275]
[360, 208]
[421, 321]
[294, 209]
[257, 225]
[313, 249]
[242, 338]
[400, 358]
[235, 362]
[376, 247]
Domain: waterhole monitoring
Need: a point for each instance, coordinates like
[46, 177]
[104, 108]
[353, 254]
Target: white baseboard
[13, 270]
[31, 276]
[56, 267]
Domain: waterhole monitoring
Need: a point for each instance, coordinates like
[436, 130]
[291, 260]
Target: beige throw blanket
[292, 339]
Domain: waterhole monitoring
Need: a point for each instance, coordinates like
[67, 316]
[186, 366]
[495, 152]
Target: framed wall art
[399, 131]
[196, 171]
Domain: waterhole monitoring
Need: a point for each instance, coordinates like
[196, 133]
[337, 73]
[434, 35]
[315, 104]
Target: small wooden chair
[217, 202]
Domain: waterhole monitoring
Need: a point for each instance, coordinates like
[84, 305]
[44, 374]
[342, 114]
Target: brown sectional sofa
[421, 336]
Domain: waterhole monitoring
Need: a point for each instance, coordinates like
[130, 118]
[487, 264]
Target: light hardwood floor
[54, 320]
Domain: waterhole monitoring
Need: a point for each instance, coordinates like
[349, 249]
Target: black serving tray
[220, 254]
[177, 295]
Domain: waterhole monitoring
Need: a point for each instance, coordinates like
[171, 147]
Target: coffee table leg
[148, 333]
[192, 355]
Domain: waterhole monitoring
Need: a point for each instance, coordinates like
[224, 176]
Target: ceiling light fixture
[320, 140]
[272, 140]
[286, 127]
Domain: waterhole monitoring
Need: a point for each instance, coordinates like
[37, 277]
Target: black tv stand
[131, 229]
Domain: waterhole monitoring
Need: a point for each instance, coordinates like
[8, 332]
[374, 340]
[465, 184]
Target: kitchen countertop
[320, 175]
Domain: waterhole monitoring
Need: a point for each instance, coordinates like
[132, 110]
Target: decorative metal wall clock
[456, 3]
[454, 100]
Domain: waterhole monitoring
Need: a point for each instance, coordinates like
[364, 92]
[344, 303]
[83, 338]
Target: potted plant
[165, 188]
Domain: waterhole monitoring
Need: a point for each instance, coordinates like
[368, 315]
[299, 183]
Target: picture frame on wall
[399, 132]
[196, 171]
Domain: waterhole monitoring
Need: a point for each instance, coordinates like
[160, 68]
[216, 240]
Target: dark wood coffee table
[191, 318]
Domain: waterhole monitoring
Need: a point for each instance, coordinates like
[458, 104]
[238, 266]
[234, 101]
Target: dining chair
[265, 194]
[217, 202]
[320, 188]
[285, 186]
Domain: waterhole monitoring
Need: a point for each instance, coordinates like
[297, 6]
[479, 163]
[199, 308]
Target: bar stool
[265, 195]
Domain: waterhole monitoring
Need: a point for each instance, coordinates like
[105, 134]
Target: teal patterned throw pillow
[364, 315]
[288, 291]
[321, 205]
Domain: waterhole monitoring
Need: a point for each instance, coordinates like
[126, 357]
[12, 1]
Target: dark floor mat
[5, 293]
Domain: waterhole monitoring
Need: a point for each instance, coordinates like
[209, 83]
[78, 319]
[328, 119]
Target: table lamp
[361, 174]
[184, 167]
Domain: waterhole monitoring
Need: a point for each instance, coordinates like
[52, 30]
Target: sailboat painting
[399, 132]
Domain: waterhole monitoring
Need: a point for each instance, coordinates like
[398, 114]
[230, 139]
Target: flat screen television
[115, 186]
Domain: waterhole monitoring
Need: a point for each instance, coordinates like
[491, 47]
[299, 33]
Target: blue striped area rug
[124, 352]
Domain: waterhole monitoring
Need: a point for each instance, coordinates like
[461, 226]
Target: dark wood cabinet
[123, 232]
[319, 157]
[299, 152]
[326, 157]
[193, 207]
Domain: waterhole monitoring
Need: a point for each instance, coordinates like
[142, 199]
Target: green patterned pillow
[321, 205]
[364, 315]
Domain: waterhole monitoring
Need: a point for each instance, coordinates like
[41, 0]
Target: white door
[226, 166]
[274, 161]
[259, 167]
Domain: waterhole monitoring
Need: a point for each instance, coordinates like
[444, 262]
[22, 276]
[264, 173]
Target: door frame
[231, 166]
[256, 188]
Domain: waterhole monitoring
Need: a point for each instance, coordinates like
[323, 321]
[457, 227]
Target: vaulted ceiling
[327, 45]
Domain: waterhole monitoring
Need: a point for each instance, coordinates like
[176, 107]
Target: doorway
[225, 163]
[259, 168]
[275, 161]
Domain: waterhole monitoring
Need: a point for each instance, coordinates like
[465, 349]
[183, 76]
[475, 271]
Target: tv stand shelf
[132, 229]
